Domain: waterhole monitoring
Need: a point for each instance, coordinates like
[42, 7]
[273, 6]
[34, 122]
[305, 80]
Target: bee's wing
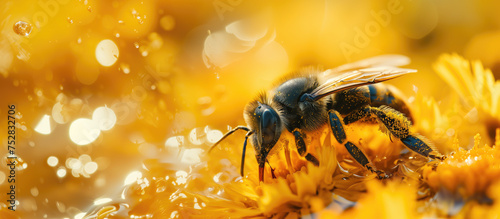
[382, 60]
[367, 71]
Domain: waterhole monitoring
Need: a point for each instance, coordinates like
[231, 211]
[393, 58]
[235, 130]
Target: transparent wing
[364, 72]
[382, 60]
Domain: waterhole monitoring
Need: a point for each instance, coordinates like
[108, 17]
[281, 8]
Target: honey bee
[307, 100]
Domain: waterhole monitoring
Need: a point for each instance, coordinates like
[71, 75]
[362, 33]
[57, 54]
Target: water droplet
[89, 9]
[181, 178]
[101, 201]
[70, 20]
[132, 177]
[195, 136]
[191, 156]
[80, 215]
[197, 206]
[175, 141]
[23, 28]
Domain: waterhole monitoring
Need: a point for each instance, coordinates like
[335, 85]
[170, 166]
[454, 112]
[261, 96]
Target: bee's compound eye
[269, 122]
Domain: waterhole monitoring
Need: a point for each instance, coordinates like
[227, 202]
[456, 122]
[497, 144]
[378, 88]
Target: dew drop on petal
[23, 28]
[191, 156]
[107, 52]
[80, 215]
[181, 177]
[175, 141]
[197, 206]
[101, 201]
[132, 177]
[195, 137]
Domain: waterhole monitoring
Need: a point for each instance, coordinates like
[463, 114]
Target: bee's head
[267, 126]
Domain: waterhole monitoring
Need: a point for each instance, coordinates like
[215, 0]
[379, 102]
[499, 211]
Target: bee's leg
[302, 149]
[272, 169]
[399, 125]
[337, 126]
[287, 156]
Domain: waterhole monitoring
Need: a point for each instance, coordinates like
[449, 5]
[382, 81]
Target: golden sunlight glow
[43, 126]
[80, 215]
[191, 156]
[107, 52]
[2, 177]
[132, 177]
[214, 136]
[101, 201]
[52, 161]
[61, 172]
[104, 117]
[174, 142]
[84, 131]
[114, 109]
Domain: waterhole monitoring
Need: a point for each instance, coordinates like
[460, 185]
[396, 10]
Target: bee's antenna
[244, 151]
[227, 134]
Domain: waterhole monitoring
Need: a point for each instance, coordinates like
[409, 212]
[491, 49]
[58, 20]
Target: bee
[308, 99]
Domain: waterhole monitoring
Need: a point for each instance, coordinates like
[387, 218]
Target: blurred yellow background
[167, 67]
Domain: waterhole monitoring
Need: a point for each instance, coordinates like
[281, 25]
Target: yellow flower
[476, 86]
[467, 172]
[483, 210]
[391, 201]
[214, 187]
